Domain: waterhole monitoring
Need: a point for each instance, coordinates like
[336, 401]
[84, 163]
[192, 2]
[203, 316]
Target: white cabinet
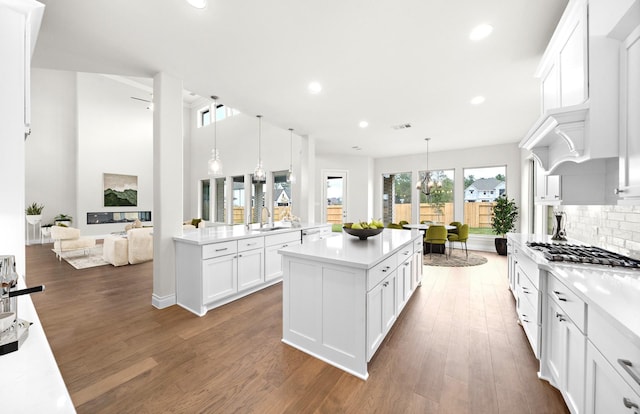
[563, 358]
[250, 268]
[513, 250]
[272, 259]
[219, 278]
[404, 277]
[417, 267]
[629, 147]
[607, 392]
[528, 298]
[381, 312]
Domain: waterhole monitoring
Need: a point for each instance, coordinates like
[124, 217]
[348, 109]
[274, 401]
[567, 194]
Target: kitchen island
[342, 295]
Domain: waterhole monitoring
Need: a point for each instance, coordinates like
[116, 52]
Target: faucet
[262, 215]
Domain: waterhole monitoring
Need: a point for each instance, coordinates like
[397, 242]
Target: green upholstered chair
[402, 223]
[426, 222]
[462, 236]
[436, 235]
[336, 227]
[457, 229]
[394, 226]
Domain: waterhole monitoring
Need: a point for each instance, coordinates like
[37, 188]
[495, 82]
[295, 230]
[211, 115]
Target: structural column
[167, 185]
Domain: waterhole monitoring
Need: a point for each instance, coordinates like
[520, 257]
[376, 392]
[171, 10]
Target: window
[221, 200]
[204, 201]
[258, 195]
[438, 206]
[396, 197]
[281, 196]
[238, 199]
[222, 112]
[481, 187]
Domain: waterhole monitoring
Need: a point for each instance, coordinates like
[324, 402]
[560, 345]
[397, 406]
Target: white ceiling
[387, 62]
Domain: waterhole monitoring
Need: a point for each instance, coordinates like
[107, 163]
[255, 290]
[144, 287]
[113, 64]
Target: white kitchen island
[341, 295]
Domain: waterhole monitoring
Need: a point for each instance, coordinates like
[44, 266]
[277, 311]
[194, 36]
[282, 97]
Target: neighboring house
[484, 189]
[284, 198]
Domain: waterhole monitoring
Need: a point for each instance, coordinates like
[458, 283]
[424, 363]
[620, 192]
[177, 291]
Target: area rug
[457, 259]
[79, 260]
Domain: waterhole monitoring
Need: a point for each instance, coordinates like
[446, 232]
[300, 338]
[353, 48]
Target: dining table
[423, 227]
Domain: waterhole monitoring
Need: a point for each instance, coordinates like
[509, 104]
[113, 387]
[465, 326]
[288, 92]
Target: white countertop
[30, 376]
[615, 291]
[216, 234]
[344, 249]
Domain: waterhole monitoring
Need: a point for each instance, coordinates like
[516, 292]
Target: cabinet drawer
[250, 244]
[530, 269]
[219, 249]
[571, 304]
[405, 253]
[621, 351]
[417, 245]
[283, 238]
[529, 319]
[380, 271]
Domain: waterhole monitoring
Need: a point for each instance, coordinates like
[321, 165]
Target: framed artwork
[120, 190]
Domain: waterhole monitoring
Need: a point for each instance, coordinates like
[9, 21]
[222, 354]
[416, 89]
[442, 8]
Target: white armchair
[68, 238]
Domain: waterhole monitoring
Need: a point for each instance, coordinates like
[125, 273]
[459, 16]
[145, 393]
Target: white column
[167, 185]
[304, 200]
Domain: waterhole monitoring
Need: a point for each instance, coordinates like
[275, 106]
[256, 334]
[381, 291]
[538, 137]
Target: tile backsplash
[615, 228]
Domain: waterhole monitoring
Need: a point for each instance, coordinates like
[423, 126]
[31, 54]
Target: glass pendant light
[425, 185]
[291, 178]
[215, 165]
[259, 173]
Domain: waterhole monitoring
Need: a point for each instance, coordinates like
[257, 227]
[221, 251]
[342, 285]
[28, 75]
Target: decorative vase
[501, 245]
[34, 219]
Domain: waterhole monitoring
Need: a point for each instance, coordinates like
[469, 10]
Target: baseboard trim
[162, 302]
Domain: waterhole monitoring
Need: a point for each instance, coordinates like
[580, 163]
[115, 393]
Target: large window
[281, 196]
[222, 112]
[238, 199]
[481, 187]
[396, 198]
[221, 200]
[258, 196]
[205, 206]
[436, 196]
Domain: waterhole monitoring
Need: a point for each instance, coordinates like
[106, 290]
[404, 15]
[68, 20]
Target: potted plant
[505, 214]
[63, 220]
[34, 213]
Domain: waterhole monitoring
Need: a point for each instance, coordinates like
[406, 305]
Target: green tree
[403, 187]
[500, 177]
[468, 180]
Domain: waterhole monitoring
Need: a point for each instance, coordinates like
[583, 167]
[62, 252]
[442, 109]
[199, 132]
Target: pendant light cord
[259, 138]
[290, 148]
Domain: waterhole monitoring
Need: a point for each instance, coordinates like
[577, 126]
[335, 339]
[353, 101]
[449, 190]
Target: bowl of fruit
[363, 230]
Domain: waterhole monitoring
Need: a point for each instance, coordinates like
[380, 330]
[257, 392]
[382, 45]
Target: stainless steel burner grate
[573, 253]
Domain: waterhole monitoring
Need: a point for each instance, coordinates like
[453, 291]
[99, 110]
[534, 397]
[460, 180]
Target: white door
[334, 194]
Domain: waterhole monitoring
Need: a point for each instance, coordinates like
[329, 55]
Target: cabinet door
[630, 121]
[273, 260]
[250, 268]
[381, 307]
[416, 270]
[554, 342]
[403, 284]
[219, 278]
[573, 66]
[606, 391]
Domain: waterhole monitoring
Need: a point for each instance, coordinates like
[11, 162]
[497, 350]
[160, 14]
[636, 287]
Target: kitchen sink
[270, 228]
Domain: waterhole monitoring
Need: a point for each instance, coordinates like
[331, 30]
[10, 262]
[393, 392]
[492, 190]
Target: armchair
[68, 238]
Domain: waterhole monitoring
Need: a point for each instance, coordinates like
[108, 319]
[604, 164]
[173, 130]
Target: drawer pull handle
[628, 366]
[407, 263]
[251, 244]
[222, 250]
[629, 404]
[385, 284]
[284, 245]
[386, 268]
[560, 298]
[560, 317]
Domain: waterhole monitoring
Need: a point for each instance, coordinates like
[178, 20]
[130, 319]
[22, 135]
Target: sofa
[68, 238]
[134, 246]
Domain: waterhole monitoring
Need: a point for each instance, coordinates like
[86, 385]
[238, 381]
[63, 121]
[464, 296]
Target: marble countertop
[613, 290]
[344, 249]
[30, 376]
[215, 234]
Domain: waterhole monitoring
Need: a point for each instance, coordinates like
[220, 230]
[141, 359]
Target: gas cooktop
[574, 253]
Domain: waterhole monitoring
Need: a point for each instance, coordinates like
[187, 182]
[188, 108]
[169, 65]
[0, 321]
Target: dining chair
[394, 226]
[436, 235]
[462, 236]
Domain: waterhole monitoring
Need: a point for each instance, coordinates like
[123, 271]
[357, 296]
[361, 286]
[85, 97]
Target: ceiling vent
[401, 126]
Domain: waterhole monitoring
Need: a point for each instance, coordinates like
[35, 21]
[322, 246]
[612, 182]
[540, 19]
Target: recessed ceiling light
[315, 87]
[477, 100]
[198, 4]
[363, 124]
[480, 32]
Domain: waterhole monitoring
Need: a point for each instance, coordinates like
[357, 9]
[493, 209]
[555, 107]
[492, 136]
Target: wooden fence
[475, 214]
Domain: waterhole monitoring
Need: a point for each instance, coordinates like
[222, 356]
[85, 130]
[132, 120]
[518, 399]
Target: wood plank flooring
[456, 348]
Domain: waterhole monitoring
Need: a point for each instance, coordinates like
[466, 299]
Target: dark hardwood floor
[456, 348]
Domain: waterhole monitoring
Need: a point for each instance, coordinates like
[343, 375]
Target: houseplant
[63, 219]
[34, 213]
[505, 214]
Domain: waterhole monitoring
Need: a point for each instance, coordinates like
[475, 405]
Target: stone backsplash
[615, 228]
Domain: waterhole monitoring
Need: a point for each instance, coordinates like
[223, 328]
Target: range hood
[559, 136]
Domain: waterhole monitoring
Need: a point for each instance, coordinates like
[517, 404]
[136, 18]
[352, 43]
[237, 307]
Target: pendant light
[425, 185]
[291, 178]
[215, 165]
[258, 173]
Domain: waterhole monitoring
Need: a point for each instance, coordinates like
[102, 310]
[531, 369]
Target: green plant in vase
[505, 214]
